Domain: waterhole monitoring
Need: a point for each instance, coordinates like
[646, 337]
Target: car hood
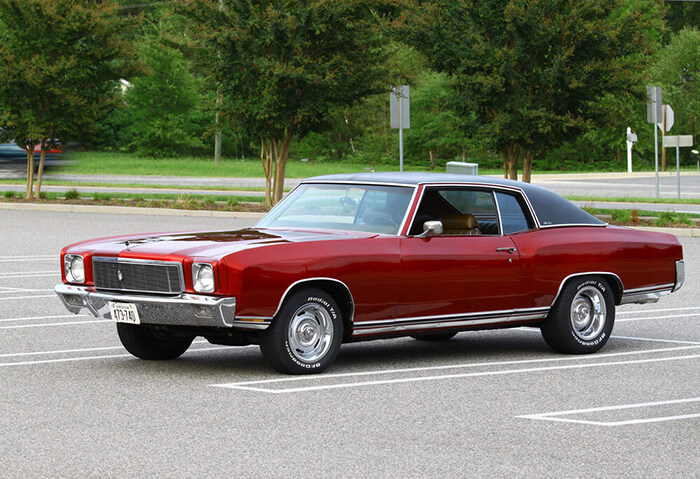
[211, 245]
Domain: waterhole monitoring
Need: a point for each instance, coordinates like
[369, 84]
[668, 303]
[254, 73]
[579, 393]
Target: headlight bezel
[74, 268]
[203, 277]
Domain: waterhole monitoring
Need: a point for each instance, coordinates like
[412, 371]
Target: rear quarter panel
[639, 258]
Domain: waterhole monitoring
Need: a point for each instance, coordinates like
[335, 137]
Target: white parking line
[19, 274]
[256, 385]
[666, 310]
[671, 316]
[33, 318]
[556, 416]
[29, 297]
[23, 290]
[89, 358]
[66, 323]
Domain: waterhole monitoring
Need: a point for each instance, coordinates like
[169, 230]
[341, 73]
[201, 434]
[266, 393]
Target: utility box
[462, 168]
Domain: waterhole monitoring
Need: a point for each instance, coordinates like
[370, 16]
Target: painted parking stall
[492, 403]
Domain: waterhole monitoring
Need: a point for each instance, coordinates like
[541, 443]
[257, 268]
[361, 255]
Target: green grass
[97, 163]
[637, 199]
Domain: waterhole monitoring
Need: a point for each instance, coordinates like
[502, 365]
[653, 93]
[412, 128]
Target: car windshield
[369, 208]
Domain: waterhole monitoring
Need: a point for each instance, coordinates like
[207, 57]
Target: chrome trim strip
[165, 310]
[306, 280]
[449, 321]
[587, 273]
[646, 295]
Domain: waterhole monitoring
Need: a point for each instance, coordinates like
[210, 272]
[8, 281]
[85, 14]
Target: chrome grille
[133, 275]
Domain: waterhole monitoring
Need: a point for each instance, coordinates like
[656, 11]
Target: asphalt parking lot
[485, 404]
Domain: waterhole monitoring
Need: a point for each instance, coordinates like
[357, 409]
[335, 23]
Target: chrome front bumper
[181, 310]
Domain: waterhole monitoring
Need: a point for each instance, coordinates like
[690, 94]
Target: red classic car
[352, 257]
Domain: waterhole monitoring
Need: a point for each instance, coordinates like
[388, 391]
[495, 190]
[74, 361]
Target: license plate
[124, 312]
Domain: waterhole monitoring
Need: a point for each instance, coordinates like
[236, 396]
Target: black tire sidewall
[557, 329]
[274, 342]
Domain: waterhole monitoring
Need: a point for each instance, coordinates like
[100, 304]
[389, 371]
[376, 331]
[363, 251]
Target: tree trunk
[432, 159]
[281, 165]
[30, 172]
[40, 173]
[511, 155]
[266, 160]
[527, 166]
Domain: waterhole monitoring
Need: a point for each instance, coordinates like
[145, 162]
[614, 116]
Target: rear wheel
[305, 336]
[582, 318]
[147, 342]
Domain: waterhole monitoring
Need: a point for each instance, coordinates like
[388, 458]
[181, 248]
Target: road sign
[400, 107]
[682, 141]
[668, 117]
[654, 104]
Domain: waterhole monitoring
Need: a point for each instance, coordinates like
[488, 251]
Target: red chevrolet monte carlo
[355, 257]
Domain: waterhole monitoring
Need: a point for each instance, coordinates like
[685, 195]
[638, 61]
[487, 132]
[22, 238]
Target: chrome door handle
[509, 249]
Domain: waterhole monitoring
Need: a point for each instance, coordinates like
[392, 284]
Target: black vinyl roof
[550, 208]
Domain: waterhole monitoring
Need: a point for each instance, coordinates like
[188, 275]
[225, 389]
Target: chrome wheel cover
[588, 313]
[310, 333]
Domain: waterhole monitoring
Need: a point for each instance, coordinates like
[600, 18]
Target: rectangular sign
[654, 104]
[682, 141]
[399, 102]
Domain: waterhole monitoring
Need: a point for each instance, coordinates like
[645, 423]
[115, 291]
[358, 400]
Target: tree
[162, 102]
[284, 66]
[677, 70]
[530, 70]
[59, 63]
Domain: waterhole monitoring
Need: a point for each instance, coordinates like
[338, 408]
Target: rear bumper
[181, 310]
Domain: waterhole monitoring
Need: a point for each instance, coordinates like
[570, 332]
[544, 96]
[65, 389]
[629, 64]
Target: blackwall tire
[148, 343]
[582, 318]
[305, 336]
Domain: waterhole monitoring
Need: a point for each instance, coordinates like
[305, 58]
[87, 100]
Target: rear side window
[514, 218]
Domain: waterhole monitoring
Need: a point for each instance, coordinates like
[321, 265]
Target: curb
[127, 210]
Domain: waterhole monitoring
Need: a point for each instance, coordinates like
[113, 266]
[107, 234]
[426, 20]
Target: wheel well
[340, 293]
[612, 279]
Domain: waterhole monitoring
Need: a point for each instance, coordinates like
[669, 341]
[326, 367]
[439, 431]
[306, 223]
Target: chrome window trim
[116, 259]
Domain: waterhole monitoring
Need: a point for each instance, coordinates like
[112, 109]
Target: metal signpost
[400, 114]
[678, 141]
[631, 140]
[654, 114]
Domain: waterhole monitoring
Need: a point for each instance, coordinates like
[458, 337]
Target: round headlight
[75, 268]
[203, 277]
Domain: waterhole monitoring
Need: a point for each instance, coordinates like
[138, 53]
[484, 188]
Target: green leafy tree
[530, 70]
[162, 103]
[284, 66]
[59, 63]
[677, 70]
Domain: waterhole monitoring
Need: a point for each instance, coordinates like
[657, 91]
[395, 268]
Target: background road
[485, 404]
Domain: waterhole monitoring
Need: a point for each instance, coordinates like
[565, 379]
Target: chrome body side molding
[465, 320]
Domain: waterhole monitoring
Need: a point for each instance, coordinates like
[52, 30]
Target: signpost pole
[400, 137]
[656, 153]
[678, 164]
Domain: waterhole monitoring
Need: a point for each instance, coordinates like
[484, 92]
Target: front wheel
[148, 343]
[305, 336]
[581, 320]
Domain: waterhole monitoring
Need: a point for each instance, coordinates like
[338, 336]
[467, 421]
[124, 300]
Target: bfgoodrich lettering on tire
[305, 336]
[582, 318]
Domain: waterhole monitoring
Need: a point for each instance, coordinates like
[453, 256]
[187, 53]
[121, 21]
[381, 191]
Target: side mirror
[431, 228]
